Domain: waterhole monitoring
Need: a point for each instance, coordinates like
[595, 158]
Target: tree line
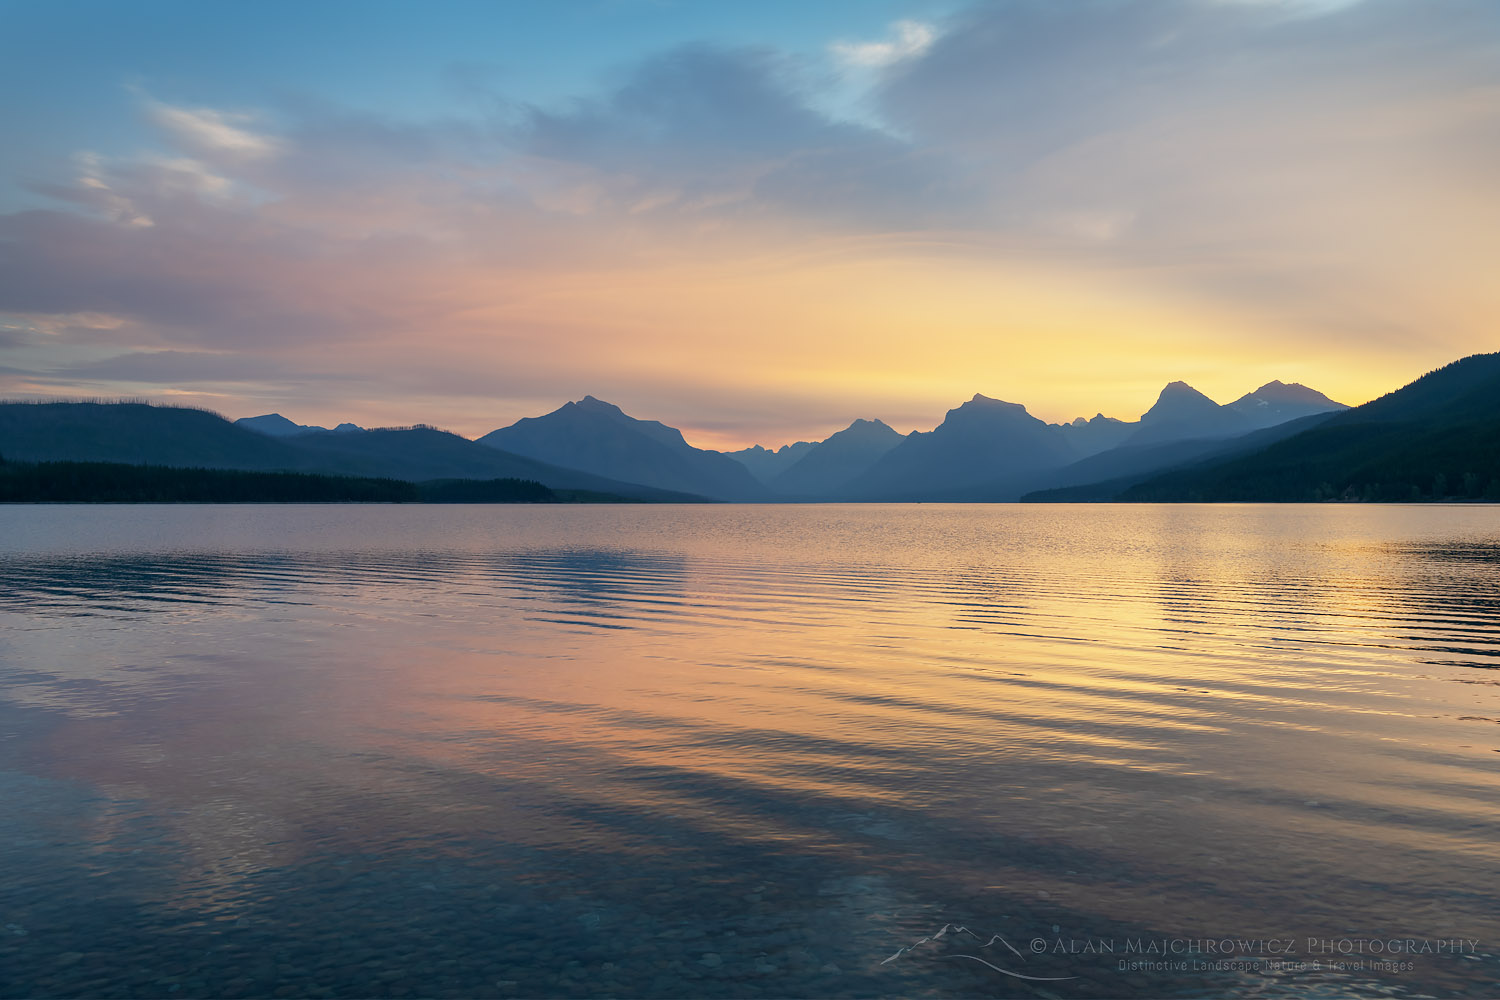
[112, 482]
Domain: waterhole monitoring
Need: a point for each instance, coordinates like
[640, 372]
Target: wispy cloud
[212, 131]
[1066, 192]
[907, 39]
[90, 189]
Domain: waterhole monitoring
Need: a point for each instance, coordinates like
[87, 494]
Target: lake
[750, 751]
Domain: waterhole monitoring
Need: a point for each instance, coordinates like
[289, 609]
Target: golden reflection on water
[1258, 721]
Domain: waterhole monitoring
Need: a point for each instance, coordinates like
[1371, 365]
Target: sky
[754, 221]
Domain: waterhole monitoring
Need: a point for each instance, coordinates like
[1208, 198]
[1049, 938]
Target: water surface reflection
[746, 751]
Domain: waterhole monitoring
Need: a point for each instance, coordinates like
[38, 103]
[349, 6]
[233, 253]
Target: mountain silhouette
[1182, 413]
[985, 449]
[765, 464]
[1096, 434]
[1434, 439]
[985, 444]
[423, 453]
[136, 434]
[1108, 474]
[142, 434]
[1276, 403]
[1182, 426]
[828, 469]
[276, 425]
[599, 437]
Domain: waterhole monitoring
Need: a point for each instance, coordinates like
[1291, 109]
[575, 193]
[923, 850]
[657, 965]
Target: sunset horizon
[749, 499]
[752, 228]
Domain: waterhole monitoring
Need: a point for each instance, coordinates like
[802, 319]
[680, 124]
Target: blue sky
[81, 68]
[756, 222]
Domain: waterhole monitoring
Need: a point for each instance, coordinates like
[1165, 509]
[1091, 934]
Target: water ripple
[793, 737]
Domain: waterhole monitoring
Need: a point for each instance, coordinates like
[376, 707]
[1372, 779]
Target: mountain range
[276, 425]
[983, 450]
[832, 466]
[1275, 439]
[179, 437]
[1437, 438]
[766, 464]
[600, 438]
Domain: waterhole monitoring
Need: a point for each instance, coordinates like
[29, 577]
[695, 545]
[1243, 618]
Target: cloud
[90, 189]
[191, 174]
[730, 134]
[1225, 145]
[174, 367]
[698, 114]
[911, 38]
[212, 132]
[1117, 181]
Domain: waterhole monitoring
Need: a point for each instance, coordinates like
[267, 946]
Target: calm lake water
[753, 751]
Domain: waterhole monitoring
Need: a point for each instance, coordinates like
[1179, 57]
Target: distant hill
[1437, 438]
[113, 482]
[985, 444]
[828, 469]
[141, 434]
[136, 434]
[1276, 403]
[600, 438]
[765, 464]
[1183, 426]
[1183, 413]
[275, 425]
[424, 453]
[984, 450]
[413, 453]
[1108, 474]
[1096, 434]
